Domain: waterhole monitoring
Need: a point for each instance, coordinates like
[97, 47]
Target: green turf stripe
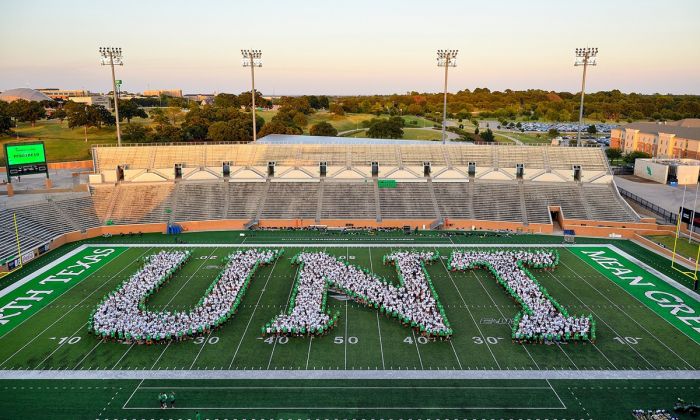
[670, 303]
[32, 296]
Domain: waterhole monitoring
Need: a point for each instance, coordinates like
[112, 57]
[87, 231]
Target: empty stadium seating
[498, 198]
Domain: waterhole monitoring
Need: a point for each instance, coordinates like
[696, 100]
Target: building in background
[101, 100]
[675, 139]
[27, 94]
[175, 93]
[201, 98]
[64, 94]
[664, 171]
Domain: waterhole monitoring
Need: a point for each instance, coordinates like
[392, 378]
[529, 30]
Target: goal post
[674, 253]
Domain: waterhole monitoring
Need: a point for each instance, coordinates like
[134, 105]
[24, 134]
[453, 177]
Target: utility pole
[252, 59]
[446, 59]
[113, 57]
[584, 57]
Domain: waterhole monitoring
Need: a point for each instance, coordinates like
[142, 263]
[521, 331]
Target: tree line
[533, 104]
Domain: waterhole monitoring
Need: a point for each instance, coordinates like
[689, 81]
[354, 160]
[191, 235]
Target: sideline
[351, 374]
[43, 269]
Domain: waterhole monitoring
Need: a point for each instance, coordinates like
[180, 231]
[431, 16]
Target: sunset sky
[351, 47]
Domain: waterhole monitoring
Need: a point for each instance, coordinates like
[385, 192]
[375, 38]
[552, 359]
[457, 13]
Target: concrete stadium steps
[604, 204]
[291, 200]
[360, 156]
[348, 200]
[200, 201]
[409, 200]
[590, 158]
[147, 203]
[565, 195]
[244, 199]
[101, 200]
[496, 201]
[80, 210]
[454, 199]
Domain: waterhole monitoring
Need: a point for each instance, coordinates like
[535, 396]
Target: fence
[666, 215]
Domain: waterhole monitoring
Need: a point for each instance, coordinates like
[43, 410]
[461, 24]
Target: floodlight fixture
[112, 56]
[252, 58]
[446, 59]
[584, 57]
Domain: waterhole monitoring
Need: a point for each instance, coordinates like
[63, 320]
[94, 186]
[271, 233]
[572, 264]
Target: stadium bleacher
[349, 191]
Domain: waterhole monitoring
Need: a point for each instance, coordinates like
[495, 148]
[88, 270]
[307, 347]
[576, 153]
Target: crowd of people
[123, 316]
[543, 318]
[414, 302]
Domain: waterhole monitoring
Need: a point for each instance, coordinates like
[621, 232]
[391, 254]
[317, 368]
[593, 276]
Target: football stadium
[299, 277]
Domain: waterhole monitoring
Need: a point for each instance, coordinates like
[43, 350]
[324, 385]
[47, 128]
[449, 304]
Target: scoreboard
[25, 159]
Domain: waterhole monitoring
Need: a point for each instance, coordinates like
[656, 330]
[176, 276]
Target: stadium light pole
[252, 59]
[446, 59]
[111, 56]
[584, 57]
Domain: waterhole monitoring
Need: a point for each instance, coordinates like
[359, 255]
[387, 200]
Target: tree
[27, 111]
[135, 133]
[233, 130]
[323, 129]
[227, 100]
[487, 136]
[59, 114]
[278, 127]
[613, 153]
[129, 109]
[337, 109]
[300, 120]
[385, 129]
[592, 129]
[165, 133]
[553, 132]
[631, 157]
[6, 122]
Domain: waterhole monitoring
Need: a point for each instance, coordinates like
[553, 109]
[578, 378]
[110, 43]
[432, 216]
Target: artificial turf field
[369, 366]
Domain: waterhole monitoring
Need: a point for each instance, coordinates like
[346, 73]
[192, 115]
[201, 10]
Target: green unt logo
[649, 170]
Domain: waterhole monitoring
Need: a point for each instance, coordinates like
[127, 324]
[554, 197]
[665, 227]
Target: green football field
[369, 366]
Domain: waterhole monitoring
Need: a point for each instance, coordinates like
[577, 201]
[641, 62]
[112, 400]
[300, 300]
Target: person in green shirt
[171, 399]
[163, 399]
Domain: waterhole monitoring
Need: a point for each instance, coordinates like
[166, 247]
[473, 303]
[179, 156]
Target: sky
[351, 47]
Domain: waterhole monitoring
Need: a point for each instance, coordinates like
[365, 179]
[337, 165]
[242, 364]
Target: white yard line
[454, 350]
[470, 313]
[420, 359]
[87, 354]
[628, 315]
[200, 349]
[350, 374]
[61, 345]
[257, 304]
[70, 310]
[555, 393]
[599, 318]
[132, 394]
[44, 269]
[379, 329]
[286, 304]
[476, 278]
[308, 352]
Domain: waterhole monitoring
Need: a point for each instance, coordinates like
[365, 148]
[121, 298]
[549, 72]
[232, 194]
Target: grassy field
[62, 143]
[226, 399]
[683, 247]
[524, 137]
[630, 337]
[408, 134]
